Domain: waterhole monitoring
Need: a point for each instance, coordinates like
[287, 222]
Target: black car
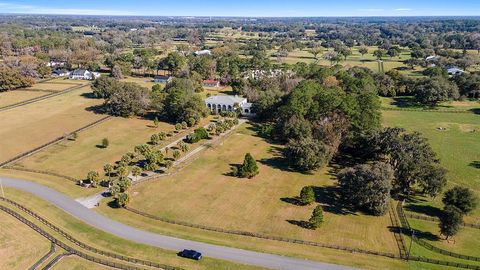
[190, 254]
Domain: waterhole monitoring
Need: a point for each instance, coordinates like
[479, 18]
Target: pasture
[262, 204]
[32, 125]
[77, 158]
[12, 97]
[101, 240]
[457, 145]
[20, 246]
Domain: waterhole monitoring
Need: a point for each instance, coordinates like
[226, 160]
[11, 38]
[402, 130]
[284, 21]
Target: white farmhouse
[83, 74]
[221, 103]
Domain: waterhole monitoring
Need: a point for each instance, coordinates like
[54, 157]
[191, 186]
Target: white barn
[221, 103]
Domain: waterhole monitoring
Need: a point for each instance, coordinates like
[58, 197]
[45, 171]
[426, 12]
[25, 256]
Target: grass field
[105, 241]
[143, 81]
[20, 246]
[260, 204]
[54, 87]
[29, 126]
[458, 147]
[408, 102]
[12, 97]
[77, 263]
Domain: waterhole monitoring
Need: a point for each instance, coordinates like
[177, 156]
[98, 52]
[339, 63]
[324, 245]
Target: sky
[246, 8]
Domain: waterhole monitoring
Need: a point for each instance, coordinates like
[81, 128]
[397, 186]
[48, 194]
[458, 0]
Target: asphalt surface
[103, 223]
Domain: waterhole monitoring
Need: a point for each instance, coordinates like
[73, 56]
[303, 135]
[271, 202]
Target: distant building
[53, 63]
[211, 83]
[432, 58]
[162, 79]
[83, 74]
[60, 72]
[202, 52]
[454, 71]
[259, 73]
[221, 103]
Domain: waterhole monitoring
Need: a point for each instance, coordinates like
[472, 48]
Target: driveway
[103, 223]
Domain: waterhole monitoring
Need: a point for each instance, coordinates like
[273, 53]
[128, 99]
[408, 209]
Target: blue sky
[267, 8]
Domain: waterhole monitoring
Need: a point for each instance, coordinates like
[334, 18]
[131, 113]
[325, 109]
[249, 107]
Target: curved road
[166, 242]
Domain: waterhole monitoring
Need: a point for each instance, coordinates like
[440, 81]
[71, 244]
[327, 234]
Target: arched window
[224, 107]
[230, 107]
[209, 105]
[247, 111]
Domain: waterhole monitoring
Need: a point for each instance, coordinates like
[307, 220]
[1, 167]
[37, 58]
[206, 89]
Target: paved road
[166, 242]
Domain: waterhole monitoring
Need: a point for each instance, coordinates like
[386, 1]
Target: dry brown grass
[57, 87]
[202, 193]
[12, 97]
[20, 246]
[29, 126]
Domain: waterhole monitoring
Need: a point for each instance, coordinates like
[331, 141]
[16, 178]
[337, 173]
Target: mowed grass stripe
[28, 127]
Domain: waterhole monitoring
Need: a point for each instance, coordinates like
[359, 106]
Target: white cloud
[403, 9]
[28, 9]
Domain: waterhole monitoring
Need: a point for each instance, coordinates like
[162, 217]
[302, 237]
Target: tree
[306, 154]
[315, 51]
[316, 219]
[108, 169]
[104, 86]
[93, 177]
[379, 54]
[333, 57]
[462, 198]
[12, 79]
[307, 196]
[127, 99]
[249, 168]
[450, 221]
[178, 127]
[431, 91]
[156, 122]
[411, 158]
[175, 62]
[117, 72]
[367, 186]
[176, 154]
[105, 142]
[122, 199]
[136, 171]
[168, 164]
[363, 50]
[155, 139]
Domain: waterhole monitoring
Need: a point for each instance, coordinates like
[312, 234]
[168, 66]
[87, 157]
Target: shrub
[317, 217]
[307, 196]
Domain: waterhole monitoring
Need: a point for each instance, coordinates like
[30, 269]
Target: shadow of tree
[292, 200]
[300, 223]
[424, 209]
[475, 164]
[475, 111]
[329, 197]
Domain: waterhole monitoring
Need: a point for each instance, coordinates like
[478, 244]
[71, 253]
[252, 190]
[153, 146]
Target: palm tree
[108, 168]
[136, 171]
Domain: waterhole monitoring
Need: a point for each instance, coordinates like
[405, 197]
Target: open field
[12, 97]
[458, 147]
[408, 102]
[258, 205]
[143, 81]
[53, 87]
[84, 154]
[29, 126]
[20, 247]
[77, 263]
[466, 242]
[105, 241]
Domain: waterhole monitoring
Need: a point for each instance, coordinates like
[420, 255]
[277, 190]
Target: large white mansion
[221, 103]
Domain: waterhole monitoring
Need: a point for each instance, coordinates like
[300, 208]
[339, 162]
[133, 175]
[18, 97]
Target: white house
[202, 52]
[455, 71]
[83, 74]
[222, 103]
[211, 83]
[162, 79]
[432, 58]
[53, 63]
[60, 72]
